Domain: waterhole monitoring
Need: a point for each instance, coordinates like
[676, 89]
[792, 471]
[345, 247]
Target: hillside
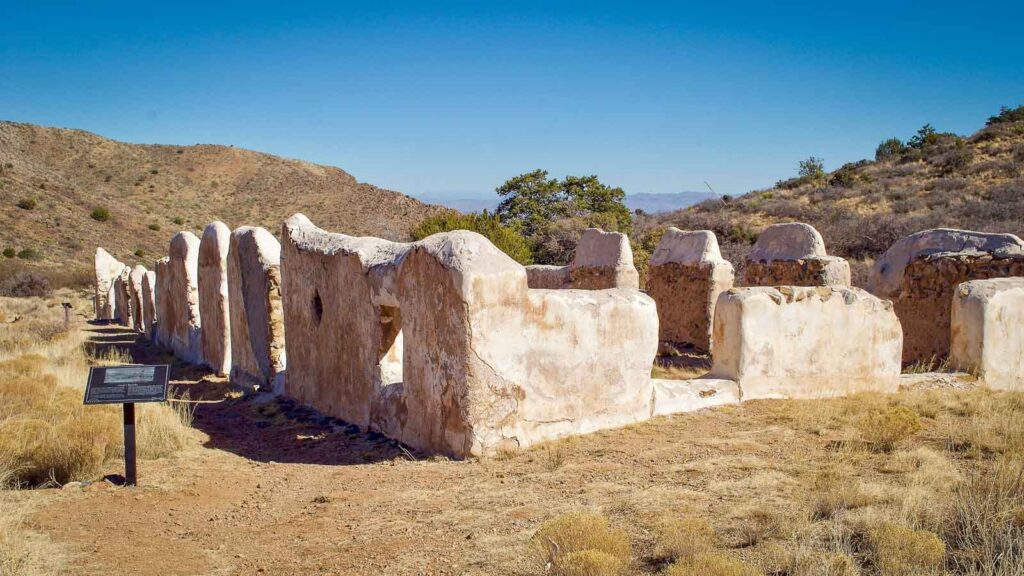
[52, 180]
[937, 179]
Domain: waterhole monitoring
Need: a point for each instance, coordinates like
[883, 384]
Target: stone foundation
[804, 342]
[793, 255]
[988, 331]
[257, 319]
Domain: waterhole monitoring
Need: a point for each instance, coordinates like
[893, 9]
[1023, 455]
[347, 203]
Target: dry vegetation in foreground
[922, 482]
[47, 436]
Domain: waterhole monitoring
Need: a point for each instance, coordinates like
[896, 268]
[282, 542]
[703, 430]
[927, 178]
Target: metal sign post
[127, 385]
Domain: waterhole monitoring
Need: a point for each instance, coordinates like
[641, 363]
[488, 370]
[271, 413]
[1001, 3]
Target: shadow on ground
[252, 425]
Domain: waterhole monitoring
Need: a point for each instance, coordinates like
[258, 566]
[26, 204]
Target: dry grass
[684, 537]
[47, 436]
[885, 429]
[712, 564]
[902, 551]
[572, 544]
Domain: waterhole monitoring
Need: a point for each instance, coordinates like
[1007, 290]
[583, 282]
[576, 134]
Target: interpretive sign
[122, 384]
[127, 385]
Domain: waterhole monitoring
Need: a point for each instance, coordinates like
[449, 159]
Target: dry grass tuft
[22, 551]
[986, 531]
[823, 564]
[834, 488]
[590, 563]
[902, 551]
[684, 537]
[561, 542]
[712, 564]
[883, 430]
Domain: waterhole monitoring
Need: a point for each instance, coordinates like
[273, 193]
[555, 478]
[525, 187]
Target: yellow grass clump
[885, 429]
[571, 542]
[902, 551]
[684, 537]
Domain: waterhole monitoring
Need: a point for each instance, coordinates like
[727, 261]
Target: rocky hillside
[64, 192]
[935, 179]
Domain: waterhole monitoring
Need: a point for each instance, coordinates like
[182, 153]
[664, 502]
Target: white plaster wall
[987, 331]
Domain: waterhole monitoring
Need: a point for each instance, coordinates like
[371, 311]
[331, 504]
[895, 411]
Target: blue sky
[456, 97]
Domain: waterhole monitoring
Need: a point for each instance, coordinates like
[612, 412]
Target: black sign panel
[123, 384]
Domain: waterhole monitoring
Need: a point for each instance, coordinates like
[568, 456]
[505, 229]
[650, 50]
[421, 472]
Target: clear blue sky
[456, 97]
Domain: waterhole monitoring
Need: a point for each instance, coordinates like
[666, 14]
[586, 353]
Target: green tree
[507, 239]
[925, 135]
[812, 168]
[531, 201]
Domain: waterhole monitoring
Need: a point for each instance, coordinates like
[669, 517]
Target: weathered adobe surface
[257, 317]
[213, 297]
[806, 342]
[686, 275]
[602, 260]
[818, 271]
[988, 331]
[149, 303]
[122, 297]
[107, 269]
[181, 312]
[161, 301]
[925, 297]
[135, 295]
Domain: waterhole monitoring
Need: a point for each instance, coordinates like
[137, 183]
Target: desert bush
[178, 220]
[902, 551]
[10, 252]
[812, 168]
[140, 253]
[30, 254]
[823, 564]
[505, 238]
[27, 203]
[154, 226]
[886, 428]
[682, 537]
[23, 284]
[590, 563]
[100, 214]
[560, 538]
[712, 564]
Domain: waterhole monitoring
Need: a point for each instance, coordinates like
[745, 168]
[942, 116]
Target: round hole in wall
[318, 308]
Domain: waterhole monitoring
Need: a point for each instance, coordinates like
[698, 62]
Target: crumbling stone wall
[925, 298]
[486, 363]
[342, 318]
[135, 297]
[988, 331]
[806, 342]
[213, 297]
[685, 277]
[257, 319]
[161, 301]
[602, 260]
[793, 254]
[149, 304]
[123, 298]
[183, 325]
[107, 269]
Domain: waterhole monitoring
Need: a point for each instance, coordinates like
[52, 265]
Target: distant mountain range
[650, 203]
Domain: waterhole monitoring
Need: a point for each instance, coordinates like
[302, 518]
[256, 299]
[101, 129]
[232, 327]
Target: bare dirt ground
[270, 488]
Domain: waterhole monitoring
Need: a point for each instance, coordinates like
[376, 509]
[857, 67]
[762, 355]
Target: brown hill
[974, 182]
[52, 180]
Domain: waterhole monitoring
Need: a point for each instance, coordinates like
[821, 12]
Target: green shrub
[10, 252]
[140, 252]
[812, 168]
[178, 220]
[505, 238]
[30, 254]
[100, 214]
[890, 149]
[27, 203]
[155, 227]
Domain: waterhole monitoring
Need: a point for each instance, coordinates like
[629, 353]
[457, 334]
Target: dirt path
[270, 488]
